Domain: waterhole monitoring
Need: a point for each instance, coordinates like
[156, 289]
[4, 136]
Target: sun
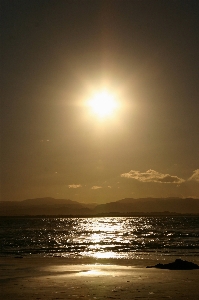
[103, 104]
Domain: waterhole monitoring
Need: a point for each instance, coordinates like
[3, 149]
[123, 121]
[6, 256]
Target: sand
[63, 278]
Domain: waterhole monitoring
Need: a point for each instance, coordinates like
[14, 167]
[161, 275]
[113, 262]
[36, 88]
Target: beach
[53, 278]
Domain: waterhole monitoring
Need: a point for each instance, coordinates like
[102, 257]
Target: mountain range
[126, 206]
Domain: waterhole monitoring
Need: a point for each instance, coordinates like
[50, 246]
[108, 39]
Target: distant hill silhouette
[51, 206]
[43, 206]
[126, 205]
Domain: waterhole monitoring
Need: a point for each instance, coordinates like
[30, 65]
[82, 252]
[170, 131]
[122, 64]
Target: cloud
[96, 187]
[152, 176]
[195, 176]
[74, 186]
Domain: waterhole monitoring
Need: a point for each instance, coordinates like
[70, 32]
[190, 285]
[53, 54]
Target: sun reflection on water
[105, 235]
[102, 237]
[104, 255]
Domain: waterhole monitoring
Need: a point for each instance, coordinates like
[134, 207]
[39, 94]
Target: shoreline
[50, 278]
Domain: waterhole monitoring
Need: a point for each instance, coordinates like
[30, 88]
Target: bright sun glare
[103, 104]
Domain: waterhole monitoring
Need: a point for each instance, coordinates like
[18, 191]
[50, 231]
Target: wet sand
[63, 278]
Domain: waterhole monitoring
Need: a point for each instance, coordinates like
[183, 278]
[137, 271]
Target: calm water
[116, 237]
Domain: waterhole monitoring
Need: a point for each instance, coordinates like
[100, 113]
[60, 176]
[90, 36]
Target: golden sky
[100, 99]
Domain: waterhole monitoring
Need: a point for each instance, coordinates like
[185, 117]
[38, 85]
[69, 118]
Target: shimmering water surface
[105, 237]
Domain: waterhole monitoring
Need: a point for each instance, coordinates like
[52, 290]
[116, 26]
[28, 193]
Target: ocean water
[103, 237]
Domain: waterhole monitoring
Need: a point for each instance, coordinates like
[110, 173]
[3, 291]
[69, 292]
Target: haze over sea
[101, 237]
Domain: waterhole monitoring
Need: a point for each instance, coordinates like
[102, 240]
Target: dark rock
[179, 264]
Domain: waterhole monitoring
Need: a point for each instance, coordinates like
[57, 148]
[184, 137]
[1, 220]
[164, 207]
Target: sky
[57, 56]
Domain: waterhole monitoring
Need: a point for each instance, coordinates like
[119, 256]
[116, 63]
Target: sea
[100, 237]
